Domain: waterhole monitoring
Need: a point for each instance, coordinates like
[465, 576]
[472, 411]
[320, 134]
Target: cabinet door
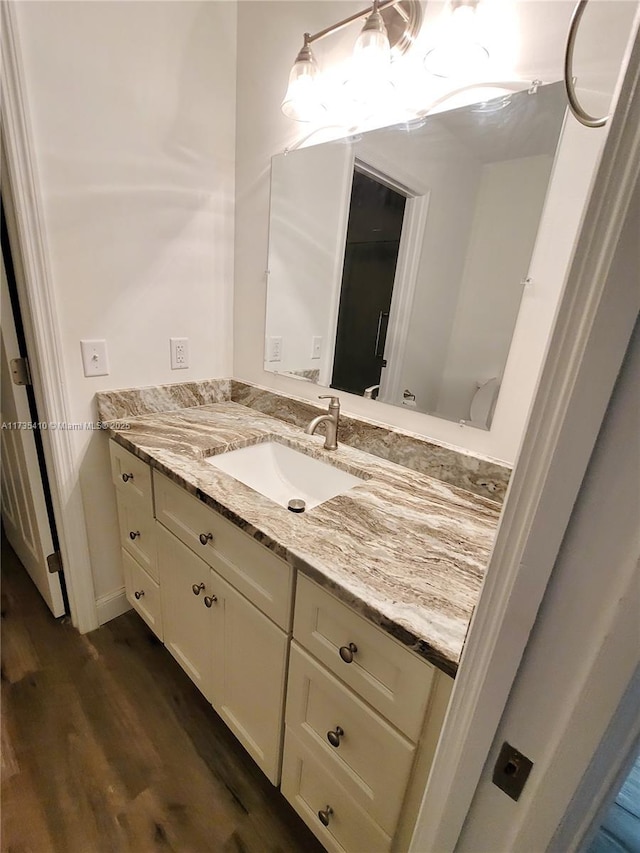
[143, 593]
[248, 675]
[131, 475]
[255, 571]
[137, 531]
[185, 580]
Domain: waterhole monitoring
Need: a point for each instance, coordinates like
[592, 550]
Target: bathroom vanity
[328, 640]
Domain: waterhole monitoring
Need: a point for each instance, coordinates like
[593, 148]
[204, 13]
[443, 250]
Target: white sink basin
[282, 474]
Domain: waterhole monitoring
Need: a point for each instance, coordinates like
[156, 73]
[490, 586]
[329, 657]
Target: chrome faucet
[371, 392]
[331, 420]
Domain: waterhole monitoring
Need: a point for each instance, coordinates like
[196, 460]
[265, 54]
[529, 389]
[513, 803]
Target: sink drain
[296, 505]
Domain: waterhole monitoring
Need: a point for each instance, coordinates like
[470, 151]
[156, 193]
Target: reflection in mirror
[398, 258]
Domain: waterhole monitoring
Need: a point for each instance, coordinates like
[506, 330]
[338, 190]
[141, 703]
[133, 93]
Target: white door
[24, 510]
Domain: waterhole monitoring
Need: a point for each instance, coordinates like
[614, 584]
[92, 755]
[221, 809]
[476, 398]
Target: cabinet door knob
[209, 599]
[196, 588]
[347, 652]
[133, 534]
[127, 477]
[205, 537]
[334, 736]
[138, 594]
[325, 815]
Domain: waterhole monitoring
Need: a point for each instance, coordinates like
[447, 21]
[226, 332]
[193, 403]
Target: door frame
[42, 327]
[406, 277]
[593, 327]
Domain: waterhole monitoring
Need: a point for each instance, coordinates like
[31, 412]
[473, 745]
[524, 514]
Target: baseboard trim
[111, 605]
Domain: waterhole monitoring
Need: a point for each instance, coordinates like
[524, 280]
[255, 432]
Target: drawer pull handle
[196, 588]
[205, 537]
[138, 594]
[127, 477]
[325, 815]
[133, 534]
[209, 600]
[334, 736]
[347, 652]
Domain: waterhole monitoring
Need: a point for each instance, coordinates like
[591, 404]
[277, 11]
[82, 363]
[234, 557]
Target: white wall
[452, 178]
[309, 208]
[269, 34]
[132, 107]
[509, 205]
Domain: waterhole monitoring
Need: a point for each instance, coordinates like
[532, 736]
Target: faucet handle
[335, 401]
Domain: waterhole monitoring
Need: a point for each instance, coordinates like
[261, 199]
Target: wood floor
[107, 746]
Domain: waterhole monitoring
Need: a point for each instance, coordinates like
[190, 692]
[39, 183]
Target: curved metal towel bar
[582, 116]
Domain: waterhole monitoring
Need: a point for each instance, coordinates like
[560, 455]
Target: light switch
[94, 358]
[316, 346]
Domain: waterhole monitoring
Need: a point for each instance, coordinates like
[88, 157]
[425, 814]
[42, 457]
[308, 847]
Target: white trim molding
[593, 327]
[112, 605]
[41, 315]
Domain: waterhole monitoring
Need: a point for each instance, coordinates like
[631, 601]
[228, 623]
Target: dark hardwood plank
[109, 748]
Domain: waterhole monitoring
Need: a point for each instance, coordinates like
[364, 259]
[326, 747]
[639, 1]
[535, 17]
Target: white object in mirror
[406, 250]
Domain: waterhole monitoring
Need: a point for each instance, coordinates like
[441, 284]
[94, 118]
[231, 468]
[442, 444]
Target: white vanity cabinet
[358, 714]
[352, 747]
[220, 601]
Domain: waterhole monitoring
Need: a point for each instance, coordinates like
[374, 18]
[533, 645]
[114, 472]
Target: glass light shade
[369, 86]
[372, 51]
[459, 55]
[303, 101]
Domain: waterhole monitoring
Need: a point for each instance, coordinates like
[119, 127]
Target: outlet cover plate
[179, 353]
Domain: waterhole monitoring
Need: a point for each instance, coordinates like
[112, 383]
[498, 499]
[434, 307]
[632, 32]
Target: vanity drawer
[138, 531]
[387, 675]
[143, 593]
[130, 474]
[370, 758]
[252, 569]
[311, 788]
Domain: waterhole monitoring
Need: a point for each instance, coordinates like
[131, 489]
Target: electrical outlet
[275, 348]
[316, 347]
[179, 353]
[94, 358]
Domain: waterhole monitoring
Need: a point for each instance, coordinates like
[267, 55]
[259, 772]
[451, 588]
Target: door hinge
[20, 371]
[54, 562]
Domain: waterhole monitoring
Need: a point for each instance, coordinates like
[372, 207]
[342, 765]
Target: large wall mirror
[398, 258]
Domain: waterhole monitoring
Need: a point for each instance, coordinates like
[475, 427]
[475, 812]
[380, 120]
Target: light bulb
[369, 82]
[372, 51]
[459, 53]
[303, 101]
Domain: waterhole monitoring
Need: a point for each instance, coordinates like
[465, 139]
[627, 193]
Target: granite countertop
[406, 550]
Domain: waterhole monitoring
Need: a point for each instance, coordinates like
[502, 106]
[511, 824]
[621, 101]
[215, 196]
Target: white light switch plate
[94, 358]
[316, 347]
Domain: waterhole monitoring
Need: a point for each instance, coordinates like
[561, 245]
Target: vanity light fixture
[390, 29]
